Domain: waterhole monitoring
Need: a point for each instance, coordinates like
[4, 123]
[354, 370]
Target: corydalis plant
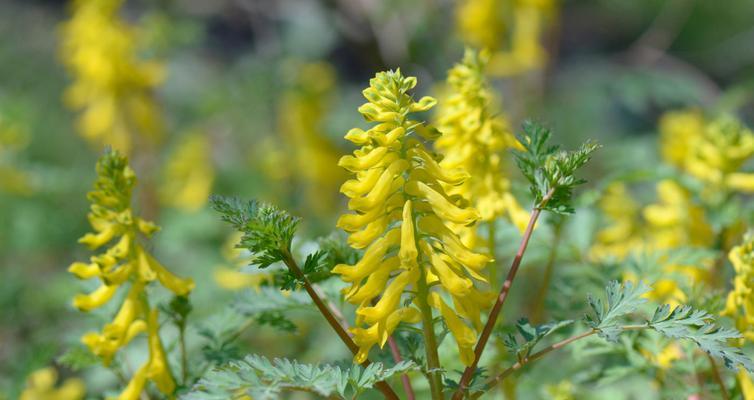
[112, 85]
[124, 264]
[403, 218]
[475, 138]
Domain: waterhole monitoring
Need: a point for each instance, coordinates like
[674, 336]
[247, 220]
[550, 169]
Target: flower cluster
[404, 220]
[474, 139]
[125, 262]
[511, 29]
[189, 174]
[112, 85]
[740, 302]
[302, 112]
[712, 151]
[40, 385]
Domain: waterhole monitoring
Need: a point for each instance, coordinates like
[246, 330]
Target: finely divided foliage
[622, 300]
[549, 169]
[267, 230]
[260, 378]
[683, 322]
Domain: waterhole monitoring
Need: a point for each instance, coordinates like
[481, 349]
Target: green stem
[184, 354]
[718, 378]
[434, 372]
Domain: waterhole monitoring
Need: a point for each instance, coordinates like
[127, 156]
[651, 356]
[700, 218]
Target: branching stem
[382, 386]
[492, 319]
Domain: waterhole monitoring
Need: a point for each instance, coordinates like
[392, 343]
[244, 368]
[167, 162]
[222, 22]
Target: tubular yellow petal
[375, 283]
[136, 385]
[386, 185]
[94, 240]
[179, 286]
[390, 299]
[391, 137]
[449, 279]
[371, 260]
[740, 181]
[84, 270]
[118, 275]
[158, 369]
[357, 136]
[452, 245]
[358, 187]
[451, 176]
[441, 206]
[465, 337]
[88, 302]
[363, 162]
[408, 252]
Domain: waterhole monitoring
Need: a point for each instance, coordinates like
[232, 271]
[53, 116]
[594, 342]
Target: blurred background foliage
[252, 98]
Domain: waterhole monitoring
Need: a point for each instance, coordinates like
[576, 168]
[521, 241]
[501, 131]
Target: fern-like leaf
[261, 378]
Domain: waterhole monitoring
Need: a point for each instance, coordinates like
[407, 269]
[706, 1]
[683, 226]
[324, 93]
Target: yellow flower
[563, 390]
[623, 234]
[112, 86]
[719, 154]
[189, 174]
[711, 151]
[679, 130]
[229, 277]
[475, 139]
[740, 301]
[41, 386]
[402, 218]
[675, 220]
[311, 155]
[125, 261]
[512, 30]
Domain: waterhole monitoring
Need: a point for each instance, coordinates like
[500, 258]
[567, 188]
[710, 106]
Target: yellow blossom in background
[189, 174]
[512, 30]
[475, 139]
[740, 302]
[403, 219]
[310, 157]
[112, 86]
[229, 277]
[719, 154]
[40, 385]
[623, 233]
[712, 151]
[124, 264]
[675, 220]
[679, 131]
[563, 390]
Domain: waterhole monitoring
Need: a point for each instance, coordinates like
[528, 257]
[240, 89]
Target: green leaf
[268, 299]
[267, 230]
[260, 378]
[622, 299]
[549, 169]
[684, 322]
[531, 335]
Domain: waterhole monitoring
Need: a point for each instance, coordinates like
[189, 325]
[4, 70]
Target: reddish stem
[487, 331]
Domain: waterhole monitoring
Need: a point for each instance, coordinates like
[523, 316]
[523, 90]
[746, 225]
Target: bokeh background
[252, 98]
